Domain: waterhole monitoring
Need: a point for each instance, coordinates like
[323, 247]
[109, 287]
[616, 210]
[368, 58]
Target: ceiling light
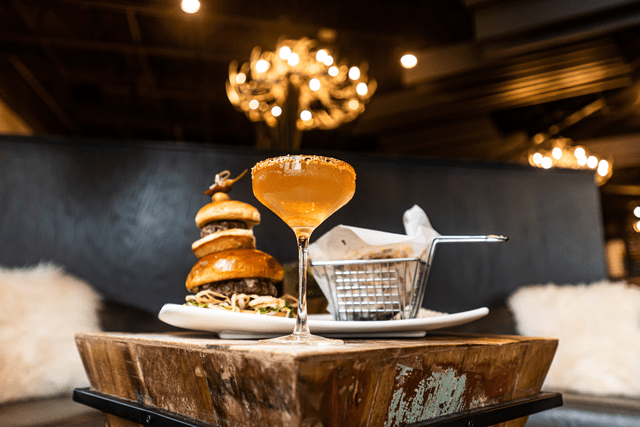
[537, 158]
[321, 55]
[324, 95]
[354, 73]
[409, 61]
[284, 52]
[190, 6]
[554, 156]
[314, 84]
[262, 66]
[306, 115]
[293, 60]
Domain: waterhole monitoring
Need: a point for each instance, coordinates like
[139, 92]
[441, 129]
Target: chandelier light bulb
[321, 55]
[537, 158]
[580, 153]
[276, 111]
[314, 85]
[241, 78]
[409, 61]
[354, 104]
[284, 52]
[262, 65]
[254, 104]
[603, 165]
[333, 71]
[354, 73]
[636, 211]
[362, 89]
[190, 6]
[636, 226]
[556, 153]
[603, 168]
[305, 115]
[293, 59]
[328, 60]
[592, 162]
[546, 162]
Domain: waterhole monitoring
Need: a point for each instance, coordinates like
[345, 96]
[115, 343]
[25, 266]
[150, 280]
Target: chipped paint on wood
[439, 394]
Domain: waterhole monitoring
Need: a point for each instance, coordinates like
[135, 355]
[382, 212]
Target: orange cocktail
[303, 191]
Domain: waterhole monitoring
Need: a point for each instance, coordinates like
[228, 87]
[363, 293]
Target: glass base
[301, 339]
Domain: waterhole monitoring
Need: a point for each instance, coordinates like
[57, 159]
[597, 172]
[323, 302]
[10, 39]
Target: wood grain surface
[363, 383]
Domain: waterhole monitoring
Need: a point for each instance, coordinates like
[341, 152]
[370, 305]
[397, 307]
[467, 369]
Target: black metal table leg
[479, 417]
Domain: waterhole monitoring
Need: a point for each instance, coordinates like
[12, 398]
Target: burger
[240, 280]
[224, 225]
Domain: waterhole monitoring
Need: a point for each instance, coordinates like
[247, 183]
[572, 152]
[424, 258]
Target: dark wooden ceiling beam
[522, 81]
[280, 25]
[119, 47]
[210, 97]
[44, 95]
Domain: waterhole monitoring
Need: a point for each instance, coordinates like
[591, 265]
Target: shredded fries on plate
[242, 303]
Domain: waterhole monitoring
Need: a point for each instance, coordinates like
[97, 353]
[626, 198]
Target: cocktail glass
[303, 191]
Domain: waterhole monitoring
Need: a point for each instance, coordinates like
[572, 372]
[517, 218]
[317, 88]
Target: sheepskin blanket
[598, 327]
[41, 309]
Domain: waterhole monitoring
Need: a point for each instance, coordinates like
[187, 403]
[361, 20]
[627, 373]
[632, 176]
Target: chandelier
[298, 87]
[562, 154]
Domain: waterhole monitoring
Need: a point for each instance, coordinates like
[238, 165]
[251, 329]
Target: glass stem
[301, 321]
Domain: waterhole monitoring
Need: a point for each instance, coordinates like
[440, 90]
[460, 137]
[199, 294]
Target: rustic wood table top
[386, 382]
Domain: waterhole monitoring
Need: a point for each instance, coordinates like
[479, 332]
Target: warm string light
[328, 93]
[635, 220]
[563, 155]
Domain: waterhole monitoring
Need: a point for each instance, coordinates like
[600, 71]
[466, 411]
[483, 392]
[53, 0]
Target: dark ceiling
[491, 73]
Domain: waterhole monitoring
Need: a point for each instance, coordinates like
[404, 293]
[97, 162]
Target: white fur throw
[41, 309]
[598, 327]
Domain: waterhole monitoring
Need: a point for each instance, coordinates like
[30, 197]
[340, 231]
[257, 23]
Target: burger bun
[227, 210]
[234, 238]
[234, 264]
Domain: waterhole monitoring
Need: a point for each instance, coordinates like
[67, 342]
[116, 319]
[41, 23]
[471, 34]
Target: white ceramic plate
[230, 325]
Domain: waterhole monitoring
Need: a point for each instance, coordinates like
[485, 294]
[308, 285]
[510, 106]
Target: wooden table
[201, 380]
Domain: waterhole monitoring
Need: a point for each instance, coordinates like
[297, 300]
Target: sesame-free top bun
[227, 210]
[234, 264]
[234, 238]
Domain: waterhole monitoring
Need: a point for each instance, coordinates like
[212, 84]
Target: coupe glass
[303, 191]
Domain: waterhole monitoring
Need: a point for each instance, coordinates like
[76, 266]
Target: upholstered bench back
[120, 215]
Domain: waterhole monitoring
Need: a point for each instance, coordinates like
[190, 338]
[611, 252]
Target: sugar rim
[341, 164]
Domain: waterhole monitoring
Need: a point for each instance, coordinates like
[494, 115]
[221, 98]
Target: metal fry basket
[381, 289]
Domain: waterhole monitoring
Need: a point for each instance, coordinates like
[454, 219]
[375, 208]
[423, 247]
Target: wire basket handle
[460, 239]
